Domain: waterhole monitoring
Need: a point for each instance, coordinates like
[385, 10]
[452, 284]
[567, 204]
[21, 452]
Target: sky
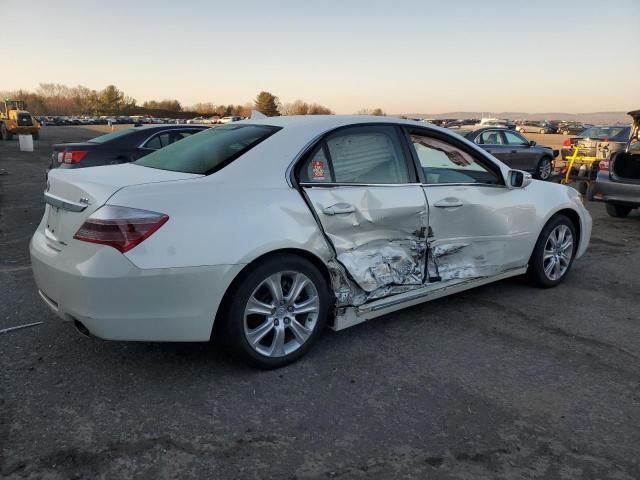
[402, 56]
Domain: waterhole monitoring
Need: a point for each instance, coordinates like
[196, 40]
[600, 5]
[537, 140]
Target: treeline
[58, 99]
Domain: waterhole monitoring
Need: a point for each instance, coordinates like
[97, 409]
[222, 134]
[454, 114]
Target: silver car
[618, 179]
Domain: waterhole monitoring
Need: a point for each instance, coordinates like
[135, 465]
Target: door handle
[514, 151]
[339, 208]
[450, 203]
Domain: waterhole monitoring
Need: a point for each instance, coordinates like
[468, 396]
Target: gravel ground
[505, 381]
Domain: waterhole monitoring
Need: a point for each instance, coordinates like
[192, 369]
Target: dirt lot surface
[505, 381]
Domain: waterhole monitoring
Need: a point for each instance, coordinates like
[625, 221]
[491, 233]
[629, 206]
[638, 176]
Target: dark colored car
[571, 128]
[121, 146]
[618, 180]
[599, 141]
[514, 150]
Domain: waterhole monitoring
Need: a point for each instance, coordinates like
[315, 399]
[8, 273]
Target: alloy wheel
[281, 314]
[558, 251]
[544, 171]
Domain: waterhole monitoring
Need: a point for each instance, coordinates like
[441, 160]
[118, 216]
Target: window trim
[313, 147]
[458, 143]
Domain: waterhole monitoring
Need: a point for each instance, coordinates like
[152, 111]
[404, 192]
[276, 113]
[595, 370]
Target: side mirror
[532, 143]
[518, 179]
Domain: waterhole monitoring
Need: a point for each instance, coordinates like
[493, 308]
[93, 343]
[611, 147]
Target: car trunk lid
[73, 195]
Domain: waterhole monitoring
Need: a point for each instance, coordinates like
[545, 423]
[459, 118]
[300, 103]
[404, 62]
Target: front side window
[370, 155]
[515, 139]
[210, 150]
[444, 163]
[490, 137]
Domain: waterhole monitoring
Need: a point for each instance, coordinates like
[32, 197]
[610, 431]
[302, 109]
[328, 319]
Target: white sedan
[271, 229]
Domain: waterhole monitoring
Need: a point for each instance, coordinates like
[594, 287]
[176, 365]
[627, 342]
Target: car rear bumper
[608, 191]
[115, 300]
[584, 152]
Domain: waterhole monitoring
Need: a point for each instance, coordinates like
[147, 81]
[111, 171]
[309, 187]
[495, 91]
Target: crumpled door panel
[380, 242]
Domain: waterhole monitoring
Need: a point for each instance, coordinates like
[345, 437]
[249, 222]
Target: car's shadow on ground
[215, 359]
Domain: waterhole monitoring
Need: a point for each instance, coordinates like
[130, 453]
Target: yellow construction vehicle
[15, 120]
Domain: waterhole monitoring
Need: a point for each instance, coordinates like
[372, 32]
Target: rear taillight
[74, 156]
[120, 227]
[604, 165]
[566, 143]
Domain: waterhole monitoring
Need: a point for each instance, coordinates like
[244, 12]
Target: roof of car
[328, 122]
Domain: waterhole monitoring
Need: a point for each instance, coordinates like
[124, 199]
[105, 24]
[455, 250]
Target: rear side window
[490, 137]
[209, 150]
[370, 155]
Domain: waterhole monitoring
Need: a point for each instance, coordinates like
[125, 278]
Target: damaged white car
[270, 229]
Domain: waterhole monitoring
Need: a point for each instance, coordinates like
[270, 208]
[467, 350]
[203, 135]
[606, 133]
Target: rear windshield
[603, 132]
[208, 151]
[111, 136]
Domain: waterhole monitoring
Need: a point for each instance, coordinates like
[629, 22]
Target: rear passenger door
[493, 142]
[362, 185]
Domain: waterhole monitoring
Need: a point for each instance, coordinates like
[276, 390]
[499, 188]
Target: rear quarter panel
[213, 223]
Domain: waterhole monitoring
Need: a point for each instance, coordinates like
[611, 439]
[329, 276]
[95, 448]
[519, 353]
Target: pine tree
[266, 103]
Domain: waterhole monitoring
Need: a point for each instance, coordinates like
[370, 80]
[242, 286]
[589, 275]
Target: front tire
[554, 252]
[277, 312]
[618, 211]
[544, 169]
[35, 135]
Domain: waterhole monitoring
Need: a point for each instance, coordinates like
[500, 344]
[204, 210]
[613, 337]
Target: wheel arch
[572, 215]
[240, 276]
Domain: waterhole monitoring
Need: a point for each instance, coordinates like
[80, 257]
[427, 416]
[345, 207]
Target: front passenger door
[523, 157]
[478, 227]
[362, 185]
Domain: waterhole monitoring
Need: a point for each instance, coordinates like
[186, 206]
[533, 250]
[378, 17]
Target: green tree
[267, 104]
[112, 101]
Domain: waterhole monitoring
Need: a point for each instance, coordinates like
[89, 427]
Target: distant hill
[593, 118]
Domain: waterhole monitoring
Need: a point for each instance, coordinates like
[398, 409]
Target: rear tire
[264, 330]
[553, 254]
[618, 211]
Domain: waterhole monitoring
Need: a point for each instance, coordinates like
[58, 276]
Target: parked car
[273, 228]
[514, 150]
[618, 179]
[121, 146]
[599, 141]
[230, 119]
[497, 122]
[571, 128]
[534, 127]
